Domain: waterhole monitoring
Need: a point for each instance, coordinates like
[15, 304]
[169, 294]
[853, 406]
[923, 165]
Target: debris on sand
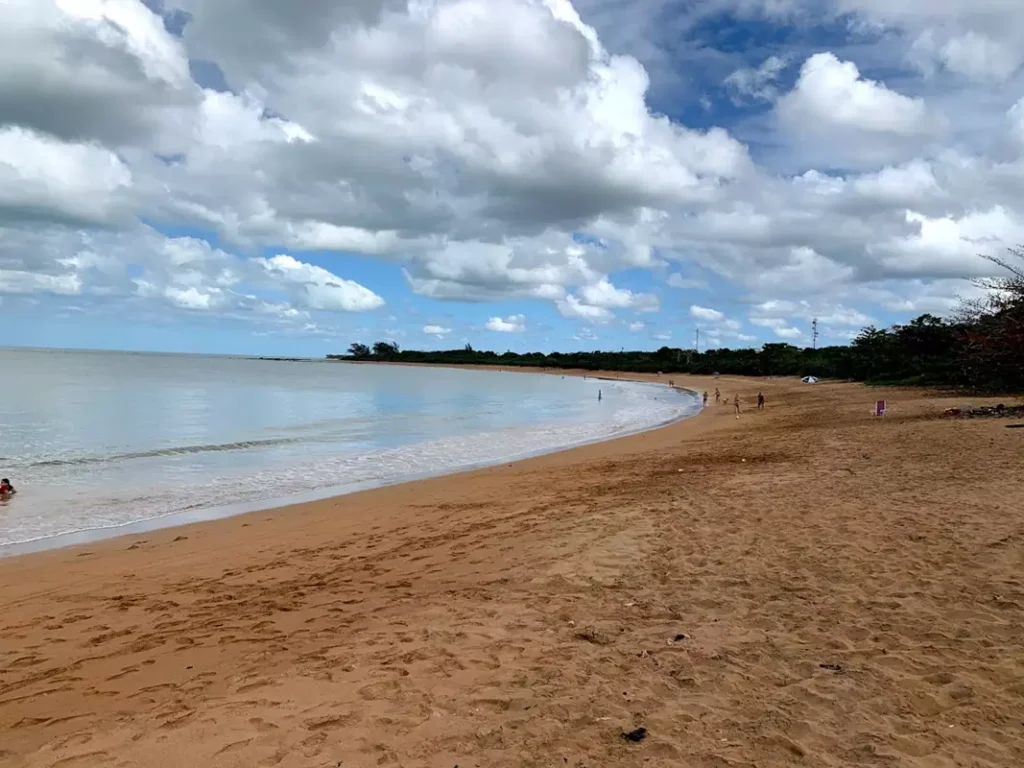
[1000, 411]
[593, 636]
[832, 667]
[635, 736]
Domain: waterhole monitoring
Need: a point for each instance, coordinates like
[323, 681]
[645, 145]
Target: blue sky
[518, 175]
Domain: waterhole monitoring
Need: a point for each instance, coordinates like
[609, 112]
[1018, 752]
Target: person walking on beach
[599, 395]
[718, 396]
[705, 398]
[736, 405]
[760, 401]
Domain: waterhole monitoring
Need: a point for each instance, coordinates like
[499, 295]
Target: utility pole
[814, 333]
[696, 345]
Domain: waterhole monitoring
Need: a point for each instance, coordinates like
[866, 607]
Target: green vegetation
[980, 349]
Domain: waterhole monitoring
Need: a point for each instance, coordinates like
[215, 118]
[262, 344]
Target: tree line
[979, 348]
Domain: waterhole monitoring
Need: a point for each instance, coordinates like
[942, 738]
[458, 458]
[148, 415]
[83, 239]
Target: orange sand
[851, 591]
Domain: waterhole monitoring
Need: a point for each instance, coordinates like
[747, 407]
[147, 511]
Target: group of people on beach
[735, 401]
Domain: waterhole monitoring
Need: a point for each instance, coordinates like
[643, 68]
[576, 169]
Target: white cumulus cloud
[317, 288]
[705, 313]
[831, 94]
[495, 150]
[510, 324]
[852, 119]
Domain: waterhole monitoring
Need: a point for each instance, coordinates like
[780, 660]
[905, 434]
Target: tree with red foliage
[992, 342]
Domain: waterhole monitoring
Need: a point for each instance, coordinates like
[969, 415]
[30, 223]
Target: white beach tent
[809, 379]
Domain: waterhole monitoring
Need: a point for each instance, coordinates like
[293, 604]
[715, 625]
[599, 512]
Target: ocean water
[98, 442]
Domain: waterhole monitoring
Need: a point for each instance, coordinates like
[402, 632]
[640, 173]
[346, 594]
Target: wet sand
[807, 585]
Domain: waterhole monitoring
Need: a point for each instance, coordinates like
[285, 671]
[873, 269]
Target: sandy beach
[807, 585]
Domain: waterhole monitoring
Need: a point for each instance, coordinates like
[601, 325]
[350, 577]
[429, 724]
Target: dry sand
[805, 586]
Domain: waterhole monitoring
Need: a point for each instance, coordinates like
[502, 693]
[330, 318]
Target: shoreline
[203, 514]
[808, 585]
[601, 448]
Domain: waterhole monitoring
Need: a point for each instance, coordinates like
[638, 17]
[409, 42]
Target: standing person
[718, 396]
[760, 401]
[705, 398]
[599, 395]
[736, 405]
[6, 489]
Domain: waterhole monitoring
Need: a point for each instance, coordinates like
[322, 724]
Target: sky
[259, 177]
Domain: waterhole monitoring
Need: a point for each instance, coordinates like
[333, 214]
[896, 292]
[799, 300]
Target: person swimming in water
[6, 489]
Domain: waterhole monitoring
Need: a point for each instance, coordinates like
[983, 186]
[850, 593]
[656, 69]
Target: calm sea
[99, 443]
